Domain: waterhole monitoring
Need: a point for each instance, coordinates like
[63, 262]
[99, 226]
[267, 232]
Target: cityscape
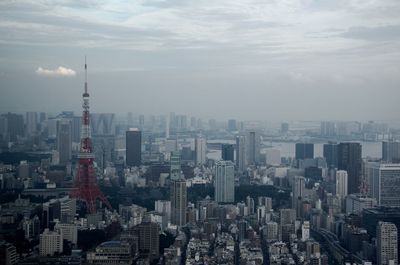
[181, 177]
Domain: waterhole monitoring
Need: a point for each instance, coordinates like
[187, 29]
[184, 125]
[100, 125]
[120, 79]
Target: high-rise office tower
[391, 151]
[14, 126]
[387, 244]
[349, 159]
[253, 148]
[304, 151]
[178, 192]
[224, 181]
[341, 183]
[200, 148]
[232, 125]
[31, 123]
[241, 162]
[149, 240]
[227, 152]
[298, 190]
[330, 154]
[64, 141]
[133, 147]
[383, 183]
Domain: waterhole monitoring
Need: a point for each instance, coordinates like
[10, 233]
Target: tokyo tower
[85, 184]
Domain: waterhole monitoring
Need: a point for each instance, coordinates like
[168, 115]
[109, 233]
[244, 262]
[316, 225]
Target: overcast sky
[245, 59]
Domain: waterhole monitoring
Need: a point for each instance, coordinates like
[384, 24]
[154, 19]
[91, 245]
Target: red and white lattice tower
[85, 184]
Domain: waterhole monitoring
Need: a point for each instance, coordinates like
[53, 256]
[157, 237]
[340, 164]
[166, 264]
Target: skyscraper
[227, 152]
[200, 147]
[384, 183]
[149, 240]
[341, 183]
[64, 141]
[298, 189]
[232, 125]
[31, 123]
[387, 244]
[304, 151]
[391, 151]
[330, 154]
[133, 147]
[349, 159]
[178, 192]
[224, 182]
[241, 153]
[253, 150]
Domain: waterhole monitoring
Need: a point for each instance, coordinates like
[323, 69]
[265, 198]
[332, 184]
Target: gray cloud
[382, 33]
[252, 59]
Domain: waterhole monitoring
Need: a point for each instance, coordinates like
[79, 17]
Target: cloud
[60, 71]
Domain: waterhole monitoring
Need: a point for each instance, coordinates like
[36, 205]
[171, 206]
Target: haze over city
[247, 59]
[199, 132]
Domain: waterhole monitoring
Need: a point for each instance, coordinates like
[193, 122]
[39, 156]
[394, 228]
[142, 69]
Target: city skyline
[248, 59]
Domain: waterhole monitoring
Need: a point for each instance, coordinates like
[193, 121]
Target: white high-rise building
[224, 182]
[305, 231]
[163, 207]
[387, 252]
[341, 183]
[200, 147]
[50, 243]
[384, 183]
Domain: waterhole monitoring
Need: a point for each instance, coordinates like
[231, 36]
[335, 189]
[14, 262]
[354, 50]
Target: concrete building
[178, 197]
[51, 242]
[387, 244]
[8, 253]
[253, 147]
[111, 252]
[356, 203]
[391, 151]
[341, 183]
[224, 182]
[383, 183]
[200, 148]
[68, 232]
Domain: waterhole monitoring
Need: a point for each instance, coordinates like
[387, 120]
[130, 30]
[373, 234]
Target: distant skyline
[244, 59]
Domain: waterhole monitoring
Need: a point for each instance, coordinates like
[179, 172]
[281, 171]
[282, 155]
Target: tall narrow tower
[85, 186]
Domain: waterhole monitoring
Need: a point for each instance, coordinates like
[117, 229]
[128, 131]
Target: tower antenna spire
[86, 88]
